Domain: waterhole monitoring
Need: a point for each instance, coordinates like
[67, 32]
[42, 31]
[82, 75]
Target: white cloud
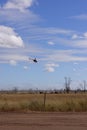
[53, 30]
[18, 12]
[85, 34]
[80, 43]
[50, 67]
[74, 36]
[45, 55]
[20, 5]
[75, 63]
[9, 39]
[13, 58]
[18, 55]
[51, 35]
[80, 17]
[74, 69]
[51, 43]
[26, 67]
[13, 62]
[65, 55]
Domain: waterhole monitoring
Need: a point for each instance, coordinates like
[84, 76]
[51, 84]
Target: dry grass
[35, 102]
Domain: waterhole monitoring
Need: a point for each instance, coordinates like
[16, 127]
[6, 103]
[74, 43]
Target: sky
[54, 32]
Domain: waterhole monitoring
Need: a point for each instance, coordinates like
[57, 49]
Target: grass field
[35, 102]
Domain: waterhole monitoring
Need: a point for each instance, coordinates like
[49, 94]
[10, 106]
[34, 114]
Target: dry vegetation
[35, 102]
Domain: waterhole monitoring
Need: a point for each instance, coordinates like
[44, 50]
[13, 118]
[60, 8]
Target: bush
[36, 106]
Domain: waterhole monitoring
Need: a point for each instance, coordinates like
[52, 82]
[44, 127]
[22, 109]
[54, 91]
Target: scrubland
[35, 102]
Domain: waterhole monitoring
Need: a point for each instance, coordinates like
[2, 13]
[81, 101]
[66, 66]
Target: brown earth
[43, 121]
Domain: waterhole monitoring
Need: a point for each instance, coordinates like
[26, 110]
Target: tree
[84, 86]
[67, 84]
[15, 90]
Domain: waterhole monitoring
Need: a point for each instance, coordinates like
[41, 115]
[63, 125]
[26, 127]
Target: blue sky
[53, 31]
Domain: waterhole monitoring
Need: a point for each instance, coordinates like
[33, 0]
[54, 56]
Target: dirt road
[43, 121]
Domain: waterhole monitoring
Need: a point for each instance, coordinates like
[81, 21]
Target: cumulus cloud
[26, 67]
[20, 5]
[74, 36]
[77, 41]
[51, 43]
[50, 67]
[13, 62]
[85, 34]
[18, 12]
[9, 39]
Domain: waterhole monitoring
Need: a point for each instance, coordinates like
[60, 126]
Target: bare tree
[15, 90]
[84, 86]
[67, 84]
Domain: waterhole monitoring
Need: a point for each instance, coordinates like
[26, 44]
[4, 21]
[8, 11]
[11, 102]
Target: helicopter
[34, 60]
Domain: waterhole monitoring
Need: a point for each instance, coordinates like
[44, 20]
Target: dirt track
[43, 121]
